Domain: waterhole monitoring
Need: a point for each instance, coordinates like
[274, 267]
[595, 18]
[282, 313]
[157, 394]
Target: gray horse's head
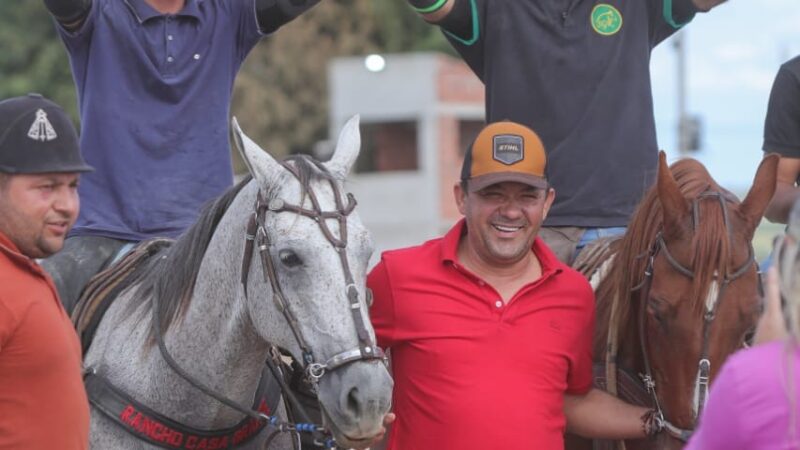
[312, 276]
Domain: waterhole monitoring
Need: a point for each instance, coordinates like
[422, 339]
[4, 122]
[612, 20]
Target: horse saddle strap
[104, 287]
[161, 431]
[629, 388]
[592, 257]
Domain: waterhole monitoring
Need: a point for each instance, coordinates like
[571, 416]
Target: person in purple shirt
[754, 402]
[154, 80]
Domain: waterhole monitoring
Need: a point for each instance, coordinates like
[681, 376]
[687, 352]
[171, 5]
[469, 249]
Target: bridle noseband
[704, 364]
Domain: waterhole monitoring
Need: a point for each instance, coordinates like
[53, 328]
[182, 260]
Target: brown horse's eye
[655, 307]
[657, 315]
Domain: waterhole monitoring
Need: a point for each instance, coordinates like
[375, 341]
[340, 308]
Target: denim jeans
[592, 234]
[567, 242]
[81, 258]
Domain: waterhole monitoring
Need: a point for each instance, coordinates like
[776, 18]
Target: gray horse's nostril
[353, 407]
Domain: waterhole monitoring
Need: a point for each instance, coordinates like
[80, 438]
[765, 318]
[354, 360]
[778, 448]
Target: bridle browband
[704, 364]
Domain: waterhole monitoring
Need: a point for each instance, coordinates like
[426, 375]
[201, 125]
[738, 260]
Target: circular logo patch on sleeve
[606, 19]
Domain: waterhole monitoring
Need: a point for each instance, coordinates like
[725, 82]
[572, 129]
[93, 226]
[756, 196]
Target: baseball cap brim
[483, 181]
[80, 168]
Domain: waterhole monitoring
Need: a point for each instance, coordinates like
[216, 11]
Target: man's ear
[460, 197]
[548, 202]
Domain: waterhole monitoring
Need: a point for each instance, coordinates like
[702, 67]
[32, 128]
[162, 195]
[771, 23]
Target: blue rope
[311, 428]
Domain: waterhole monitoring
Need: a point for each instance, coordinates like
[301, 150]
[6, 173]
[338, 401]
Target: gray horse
[218, 325]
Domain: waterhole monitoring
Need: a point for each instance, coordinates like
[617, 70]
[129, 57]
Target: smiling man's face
[37, 211]
[503, 220]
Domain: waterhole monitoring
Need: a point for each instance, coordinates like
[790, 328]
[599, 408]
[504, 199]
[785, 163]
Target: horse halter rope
[704, 365]
[314, 371]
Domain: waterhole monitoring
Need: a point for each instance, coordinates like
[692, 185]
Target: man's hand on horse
[369, 442]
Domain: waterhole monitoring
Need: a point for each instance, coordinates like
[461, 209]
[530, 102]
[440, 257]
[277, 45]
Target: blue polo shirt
[154, 96]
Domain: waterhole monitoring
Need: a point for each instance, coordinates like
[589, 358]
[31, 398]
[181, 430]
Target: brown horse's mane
[709, 247]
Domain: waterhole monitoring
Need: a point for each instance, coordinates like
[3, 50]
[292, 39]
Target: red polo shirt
[43, 404]
[471, 372]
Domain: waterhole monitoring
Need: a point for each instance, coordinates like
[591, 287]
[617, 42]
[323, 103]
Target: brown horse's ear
[674, 207]
[754, 205]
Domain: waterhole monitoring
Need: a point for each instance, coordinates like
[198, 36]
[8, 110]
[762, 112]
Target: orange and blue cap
[505, 151]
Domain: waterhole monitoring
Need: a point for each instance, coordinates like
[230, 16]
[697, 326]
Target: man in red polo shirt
[491, 335]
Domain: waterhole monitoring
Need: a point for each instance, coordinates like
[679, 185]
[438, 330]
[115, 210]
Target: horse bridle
[257, 235]
[704, 364]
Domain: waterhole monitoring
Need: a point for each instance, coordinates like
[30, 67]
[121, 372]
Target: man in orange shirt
[43, 403]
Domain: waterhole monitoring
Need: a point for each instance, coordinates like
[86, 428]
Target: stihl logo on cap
[508, 149]
[42, 129]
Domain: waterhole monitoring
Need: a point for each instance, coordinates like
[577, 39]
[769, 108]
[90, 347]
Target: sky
[733, 54]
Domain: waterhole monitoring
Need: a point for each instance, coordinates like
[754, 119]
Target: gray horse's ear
[347, 149]
[261, 165]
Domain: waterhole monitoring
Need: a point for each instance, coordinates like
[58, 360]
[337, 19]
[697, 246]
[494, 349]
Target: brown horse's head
[687, 284]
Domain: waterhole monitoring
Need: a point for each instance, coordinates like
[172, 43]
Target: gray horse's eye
[289, 258]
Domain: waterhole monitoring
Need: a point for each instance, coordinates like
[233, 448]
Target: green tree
[399, 29]
[281, 97]
[32, 58]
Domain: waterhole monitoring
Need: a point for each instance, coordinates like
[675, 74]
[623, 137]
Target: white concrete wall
[399, 208]
[396, 207]
[402, 90]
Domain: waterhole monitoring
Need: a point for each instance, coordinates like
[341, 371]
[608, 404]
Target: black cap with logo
[37, 136]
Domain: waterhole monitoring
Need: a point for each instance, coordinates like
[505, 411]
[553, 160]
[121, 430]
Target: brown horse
[681, 294]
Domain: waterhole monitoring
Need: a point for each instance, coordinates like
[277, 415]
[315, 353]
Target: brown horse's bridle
[704, 365]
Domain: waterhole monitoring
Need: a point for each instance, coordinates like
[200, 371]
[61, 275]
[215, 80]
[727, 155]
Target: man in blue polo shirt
[576, 71]
[154, 81]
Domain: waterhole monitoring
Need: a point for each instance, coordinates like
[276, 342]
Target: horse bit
[704, 365]
[257, 235]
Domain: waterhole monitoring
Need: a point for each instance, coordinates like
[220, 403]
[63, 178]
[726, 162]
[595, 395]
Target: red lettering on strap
[176, 438]
[191, 442]
[159, 432]
[134, 422]
[151, 428]
[126, 413]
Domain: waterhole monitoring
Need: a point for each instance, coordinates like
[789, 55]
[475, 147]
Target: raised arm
[69, 13]
[782, 136]
[786, 190]
[273, 14]
[599, 415]
[433, 11]
[705, 5]
[454, 16]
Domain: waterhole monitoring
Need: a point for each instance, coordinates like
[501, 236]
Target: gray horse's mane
[170, 275]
